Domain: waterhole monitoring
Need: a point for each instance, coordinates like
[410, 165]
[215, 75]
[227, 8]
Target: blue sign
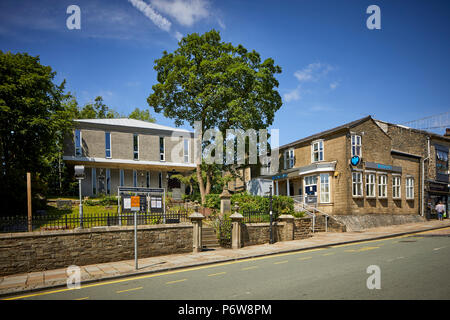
[280, 176]
[355, 160]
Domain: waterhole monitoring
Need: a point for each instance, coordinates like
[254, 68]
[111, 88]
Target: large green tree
[32, 123]
[222, 85]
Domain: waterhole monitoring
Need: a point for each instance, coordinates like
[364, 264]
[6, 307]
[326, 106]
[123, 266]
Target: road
[411, 267]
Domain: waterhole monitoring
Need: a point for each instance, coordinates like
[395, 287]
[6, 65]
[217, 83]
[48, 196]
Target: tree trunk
[201, 184]
[208, 182]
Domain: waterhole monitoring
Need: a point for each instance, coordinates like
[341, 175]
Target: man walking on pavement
[440, 209]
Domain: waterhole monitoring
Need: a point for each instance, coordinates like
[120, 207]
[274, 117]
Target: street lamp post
[79, 175]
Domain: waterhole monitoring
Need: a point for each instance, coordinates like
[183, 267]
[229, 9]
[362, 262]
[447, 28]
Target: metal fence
[256, 216]
[62, 222]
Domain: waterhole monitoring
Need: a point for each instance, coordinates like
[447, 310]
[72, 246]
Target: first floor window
[94, 181]
[324, 188]
[356, 184]
[78, 150]
[122, 178]
[161, 149]
[382, 186]
[370, 185]
[289, 159]
[409, 188]
[396, 185]
[317, 151]
[134, 178]
[356, 145]
[135, 146]
[186, 150]
[107, 144]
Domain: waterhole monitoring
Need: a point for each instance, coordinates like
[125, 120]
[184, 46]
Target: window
[289, 159]
[324, 188]
[107, 144]
[311, 185]
[108, 181]
[135, 146]
[410, 188]
[94, 181]
[370, 185]
[442, 163]
[317, 151]
[356, 145]
[122, 178]
[186, 150]
[148, 179]
[160, 180]
[78, 149]
[382, 186]
[396, 182]
[357, 184]
[134, 178]
[161, 149]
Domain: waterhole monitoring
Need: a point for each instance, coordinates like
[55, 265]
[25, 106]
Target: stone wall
[37, 251]
[361, 222]
[302, 228]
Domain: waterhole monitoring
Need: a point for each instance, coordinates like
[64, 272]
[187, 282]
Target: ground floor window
[94, 181]
[382, 186]
[356, 184]
[396, 186]
[134, 178]
[410, 188]
[160, 177]
[148, 179]
[311, 185]
[370, 185]
[122, 178]
[324, 188]
[108, 181]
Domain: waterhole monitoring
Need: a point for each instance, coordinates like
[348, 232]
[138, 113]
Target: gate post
[196, 219]
[288, 229]
[236, 219]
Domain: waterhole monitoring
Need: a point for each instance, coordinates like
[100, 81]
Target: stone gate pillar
[288, 229]
[196, 219]
[236, 220]
[225, 202]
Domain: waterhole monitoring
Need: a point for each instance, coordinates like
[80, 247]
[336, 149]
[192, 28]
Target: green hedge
[248, 202]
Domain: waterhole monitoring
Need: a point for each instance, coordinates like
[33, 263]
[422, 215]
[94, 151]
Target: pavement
[48, 279]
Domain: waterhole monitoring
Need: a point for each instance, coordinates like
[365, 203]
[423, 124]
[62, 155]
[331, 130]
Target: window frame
[108, 181]
[136, 152]
[409, 188]
[322, 192]
[357, 183]
[382, 185]
[94, 180]
[396, 187]
[289, 160]
[80, 148]
[110, 146]
[320, 151]
[370, 185]
[162, 155]
[135, 178]
[121, 178]
[186, 152]
[160, 180]
[355, 145]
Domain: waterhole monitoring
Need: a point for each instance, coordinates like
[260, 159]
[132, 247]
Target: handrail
[311, 214]
[314, 210]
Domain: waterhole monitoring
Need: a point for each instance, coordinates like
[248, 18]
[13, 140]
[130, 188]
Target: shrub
[213, 201]
[283, 205]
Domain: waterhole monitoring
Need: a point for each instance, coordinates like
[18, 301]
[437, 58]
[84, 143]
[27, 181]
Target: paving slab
[26, 282]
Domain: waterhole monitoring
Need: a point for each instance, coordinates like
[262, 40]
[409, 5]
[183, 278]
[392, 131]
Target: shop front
[436, 192]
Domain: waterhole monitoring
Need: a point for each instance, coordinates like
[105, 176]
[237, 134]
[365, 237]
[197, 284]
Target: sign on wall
[385, 167]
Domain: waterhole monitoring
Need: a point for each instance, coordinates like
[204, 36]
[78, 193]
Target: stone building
[128, 152]
[363, 167]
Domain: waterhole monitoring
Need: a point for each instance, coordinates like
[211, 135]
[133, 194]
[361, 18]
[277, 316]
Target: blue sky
[335, 69]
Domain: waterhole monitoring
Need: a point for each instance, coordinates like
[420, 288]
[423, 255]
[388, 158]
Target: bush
[212, 201]
[283, 205]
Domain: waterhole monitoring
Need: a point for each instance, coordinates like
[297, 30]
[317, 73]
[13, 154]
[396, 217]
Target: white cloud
[185, 12]
[150, 13]
[292, 95]
[178, 35]
[334, 85]
[313, 72]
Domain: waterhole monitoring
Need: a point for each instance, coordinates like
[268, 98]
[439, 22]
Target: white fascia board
[126, 161]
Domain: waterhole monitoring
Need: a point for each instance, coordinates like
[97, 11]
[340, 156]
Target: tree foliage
[221, 85]
[32, 121]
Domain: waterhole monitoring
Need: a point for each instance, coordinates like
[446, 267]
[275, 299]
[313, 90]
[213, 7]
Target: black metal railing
[72, 221]
[256, 216]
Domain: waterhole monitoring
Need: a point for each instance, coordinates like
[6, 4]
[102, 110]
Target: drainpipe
[423, 177]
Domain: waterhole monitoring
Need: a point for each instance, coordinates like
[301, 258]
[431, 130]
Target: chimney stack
[447, 132]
